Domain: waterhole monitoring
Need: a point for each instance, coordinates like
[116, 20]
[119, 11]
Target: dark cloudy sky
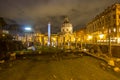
[40, 12]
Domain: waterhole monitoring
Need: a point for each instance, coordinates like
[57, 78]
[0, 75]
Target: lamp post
[76, 42]
[109, 43]
[27, 30]
[81, 43]
[89, 38]
[101, 37]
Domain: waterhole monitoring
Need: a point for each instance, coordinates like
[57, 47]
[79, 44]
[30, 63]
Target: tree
[2, 23]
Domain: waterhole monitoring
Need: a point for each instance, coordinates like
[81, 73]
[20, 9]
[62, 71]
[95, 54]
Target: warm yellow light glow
[114, 30]
[89, 37]
[101, 36]
[118, 40]
[54, 39]
[115, 37]
[3, 35]
[119, 29]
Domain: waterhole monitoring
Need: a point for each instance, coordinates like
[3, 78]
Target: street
[45, 68]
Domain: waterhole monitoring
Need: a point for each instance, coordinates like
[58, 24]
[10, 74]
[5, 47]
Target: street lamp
[28, 30]
[89, 38]
[81, 42]
[101, 37]
[109, 44]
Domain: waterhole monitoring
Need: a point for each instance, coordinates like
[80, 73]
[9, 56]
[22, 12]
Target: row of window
[66, 30]
[110, 30]
[107, 19]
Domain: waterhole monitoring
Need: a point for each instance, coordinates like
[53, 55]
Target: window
[114, 25]
[63, 30]
[114, 9]
[108, 19]
[114, 29]
[114, 16]
[109, 30]
[66, 29]
[119, 16]
[119, 29]
[119, 9]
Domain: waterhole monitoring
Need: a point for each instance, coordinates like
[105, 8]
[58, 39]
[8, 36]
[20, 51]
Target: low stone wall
[115, 50]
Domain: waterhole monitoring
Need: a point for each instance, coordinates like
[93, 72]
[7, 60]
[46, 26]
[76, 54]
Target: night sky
[38, 13]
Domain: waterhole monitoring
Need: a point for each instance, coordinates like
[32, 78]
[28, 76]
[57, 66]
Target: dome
[66, 26]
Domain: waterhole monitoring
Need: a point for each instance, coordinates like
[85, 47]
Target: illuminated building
[62, 39]
[106, 23]
[66, 36]
[81, 34]
[66, 27]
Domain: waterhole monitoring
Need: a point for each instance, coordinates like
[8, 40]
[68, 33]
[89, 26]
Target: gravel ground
[45, 68]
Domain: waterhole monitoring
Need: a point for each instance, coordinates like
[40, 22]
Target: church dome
[66, 26]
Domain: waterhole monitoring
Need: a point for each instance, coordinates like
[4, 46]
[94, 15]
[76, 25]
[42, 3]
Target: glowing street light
[89, 37]
[28, 33]
[101, 36]
[28, 28]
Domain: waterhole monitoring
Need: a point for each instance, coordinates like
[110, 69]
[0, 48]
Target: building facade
[105, 25]
[63, 39]
[66, 37]
[66, 27]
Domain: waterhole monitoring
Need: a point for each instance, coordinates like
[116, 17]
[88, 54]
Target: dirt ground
[45, 68]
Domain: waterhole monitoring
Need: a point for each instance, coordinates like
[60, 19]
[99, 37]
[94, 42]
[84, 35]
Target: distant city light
[89, 37]
[101, 36]
[28, 28]
[114, 30]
